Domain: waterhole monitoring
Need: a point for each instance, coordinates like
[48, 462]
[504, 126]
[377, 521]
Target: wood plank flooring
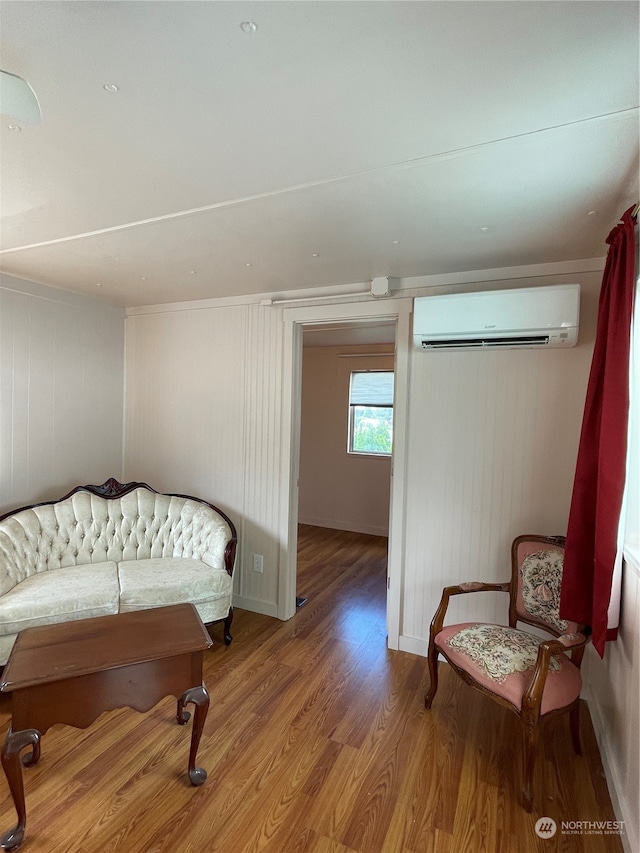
[317, 741]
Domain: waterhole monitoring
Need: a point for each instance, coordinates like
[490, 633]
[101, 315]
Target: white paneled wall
[203, 395]
[498, 434]
[184, 403]
[493, 438]
[491, 445]
[262, 457]
[61, 392]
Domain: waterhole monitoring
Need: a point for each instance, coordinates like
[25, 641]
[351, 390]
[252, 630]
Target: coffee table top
[68, 649]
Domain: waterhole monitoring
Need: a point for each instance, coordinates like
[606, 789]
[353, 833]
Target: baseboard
[414, 645]
[255, 605]
[332, 524]
[630, 837]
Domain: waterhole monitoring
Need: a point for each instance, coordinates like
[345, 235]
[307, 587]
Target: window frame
[351, 416]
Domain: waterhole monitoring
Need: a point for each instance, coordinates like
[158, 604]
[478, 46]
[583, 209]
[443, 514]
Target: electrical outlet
[257, 563]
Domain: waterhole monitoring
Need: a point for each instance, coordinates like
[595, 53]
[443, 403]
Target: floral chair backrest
[538, 576]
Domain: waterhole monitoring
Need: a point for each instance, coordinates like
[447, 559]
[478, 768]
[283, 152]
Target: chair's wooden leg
[529, 744]
[574, 722]
[432, 657]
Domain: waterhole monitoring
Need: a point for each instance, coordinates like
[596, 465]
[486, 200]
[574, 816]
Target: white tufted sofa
[111, 549]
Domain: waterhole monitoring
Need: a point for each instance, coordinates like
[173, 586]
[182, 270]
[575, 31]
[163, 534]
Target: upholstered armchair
[533, 677]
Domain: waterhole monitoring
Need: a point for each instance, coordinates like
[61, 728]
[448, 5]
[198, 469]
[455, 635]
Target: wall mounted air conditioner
[529, 317]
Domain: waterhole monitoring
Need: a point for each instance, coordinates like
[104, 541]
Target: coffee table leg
[200, 698]
[14, 743]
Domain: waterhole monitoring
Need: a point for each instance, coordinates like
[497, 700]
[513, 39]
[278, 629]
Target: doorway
[344, 477]
[296, 320]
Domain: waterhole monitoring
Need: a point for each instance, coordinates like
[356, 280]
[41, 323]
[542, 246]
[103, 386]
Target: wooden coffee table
[70, 673]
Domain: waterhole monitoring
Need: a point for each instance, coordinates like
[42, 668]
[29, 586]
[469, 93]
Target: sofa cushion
[166, 580]
[74, 592]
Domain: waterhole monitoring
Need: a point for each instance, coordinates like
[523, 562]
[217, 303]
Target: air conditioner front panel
[526, 317]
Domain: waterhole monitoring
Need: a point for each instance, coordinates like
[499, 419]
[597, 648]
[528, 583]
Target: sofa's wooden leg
[227, 627]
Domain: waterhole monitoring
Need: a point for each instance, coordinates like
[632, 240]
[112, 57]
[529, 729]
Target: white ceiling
[475, 134]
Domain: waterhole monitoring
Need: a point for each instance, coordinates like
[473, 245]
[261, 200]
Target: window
[371, 412]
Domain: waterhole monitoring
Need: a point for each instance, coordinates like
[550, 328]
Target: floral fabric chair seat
[502, 660]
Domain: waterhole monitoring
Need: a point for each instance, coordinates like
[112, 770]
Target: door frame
[399, 311]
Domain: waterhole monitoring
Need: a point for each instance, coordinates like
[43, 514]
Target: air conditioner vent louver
[527, 317]
[457, 343]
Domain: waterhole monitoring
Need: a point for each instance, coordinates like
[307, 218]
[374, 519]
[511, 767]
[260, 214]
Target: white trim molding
[398, 311]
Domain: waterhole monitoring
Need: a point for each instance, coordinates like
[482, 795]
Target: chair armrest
[461, 589]
[547, 649]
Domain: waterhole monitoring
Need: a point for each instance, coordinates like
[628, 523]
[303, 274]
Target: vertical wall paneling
[263, 356]
[498, 437]
[61, 391]
[185, 405]
[491, 453]
[185, 412]
[202, 418]
[185, 389]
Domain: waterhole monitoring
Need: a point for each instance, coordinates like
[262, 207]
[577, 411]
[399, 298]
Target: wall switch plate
[257, 563]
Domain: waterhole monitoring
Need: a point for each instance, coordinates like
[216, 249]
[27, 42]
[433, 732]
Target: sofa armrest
[230, 555]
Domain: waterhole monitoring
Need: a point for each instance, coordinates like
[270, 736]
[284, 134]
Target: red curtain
[592, 533]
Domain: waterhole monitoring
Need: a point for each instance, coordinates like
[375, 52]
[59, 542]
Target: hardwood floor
[317, 741]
